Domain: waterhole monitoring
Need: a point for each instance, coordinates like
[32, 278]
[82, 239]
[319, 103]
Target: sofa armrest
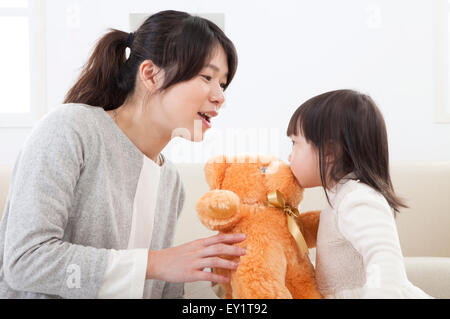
[199, 290]
[431, 274]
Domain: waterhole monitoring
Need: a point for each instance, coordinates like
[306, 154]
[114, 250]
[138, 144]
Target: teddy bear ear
[215, 171]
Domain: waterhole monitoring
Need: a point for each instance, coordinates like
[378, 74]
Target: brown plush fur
[273, 266]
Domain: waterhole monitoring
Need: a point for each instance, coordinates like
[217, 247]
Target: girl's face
[304, 160]
[189, 107]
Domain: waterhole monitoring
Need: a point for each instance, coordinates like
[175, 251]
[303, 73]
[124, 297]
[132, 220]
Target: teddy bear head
[253, 177]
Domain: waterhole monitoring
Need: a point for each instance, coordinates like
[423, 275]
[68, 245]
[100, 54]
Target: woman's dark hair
[348, 126]
[177, 42]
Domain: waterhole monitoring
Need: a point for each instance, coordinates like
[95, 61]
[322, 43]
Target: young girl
[93, 204]
[340, 143]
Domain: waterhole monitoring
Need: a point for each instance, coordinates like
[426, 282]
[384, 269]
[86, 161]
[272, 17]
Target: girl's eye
[293, 142]
[207, 77]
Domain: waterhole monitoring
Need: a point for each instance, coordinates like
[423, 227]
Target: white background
[289, 51]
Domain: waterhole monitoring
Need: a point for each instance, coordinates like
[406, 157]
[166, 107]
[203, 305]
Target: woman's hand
[186, 263]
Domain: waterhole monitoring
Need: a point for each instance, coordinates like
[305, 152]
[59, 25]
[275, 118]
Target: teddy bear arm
[309, 223]
[219, 209]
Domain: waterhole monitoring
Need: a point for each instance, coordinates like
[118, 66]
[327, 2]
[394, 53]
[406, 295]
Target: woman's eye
[209, 78]
[293, 142]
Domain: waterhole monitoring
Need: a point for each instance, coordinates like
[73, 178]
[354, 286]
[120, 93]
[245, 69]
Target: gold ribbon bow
[276, 199]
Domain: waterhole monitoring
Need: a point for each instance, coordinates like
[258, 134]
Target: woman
[93, 204]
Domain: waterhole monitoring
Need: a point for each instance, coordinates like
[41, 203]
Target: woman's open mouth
[206, 119]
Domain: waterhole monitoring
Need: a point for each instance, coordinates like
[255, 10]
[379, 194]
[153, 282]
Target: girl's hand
[186, 263]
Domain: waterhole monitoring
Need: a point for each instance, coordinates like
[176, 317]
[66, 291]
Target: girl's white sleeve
[124, 277]
[366, 220]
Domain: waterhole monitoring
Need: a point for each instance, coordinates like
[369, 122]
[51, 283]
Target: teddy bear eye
[263, 169]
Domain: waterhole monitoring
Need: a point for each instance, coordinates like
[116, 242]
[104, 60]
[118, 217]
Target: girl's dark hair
[348, 126]
[177, 42]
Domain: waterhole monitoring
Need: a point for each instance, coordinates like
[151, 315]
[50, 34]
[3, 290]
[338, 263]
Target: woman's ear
[151, 75]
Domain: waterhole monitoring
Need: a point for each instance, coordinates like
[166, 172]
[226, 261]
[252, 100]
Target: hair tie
[130, 39]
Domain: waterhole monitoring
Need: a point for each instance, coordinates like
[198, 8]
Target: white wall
[288, 52]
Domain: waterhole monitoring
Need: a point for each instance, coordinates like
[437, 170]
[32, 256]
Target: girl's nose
[289, 157]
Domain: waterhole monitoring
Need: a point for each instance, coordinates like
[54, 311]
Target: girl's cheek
[293, 161]
[296, 171]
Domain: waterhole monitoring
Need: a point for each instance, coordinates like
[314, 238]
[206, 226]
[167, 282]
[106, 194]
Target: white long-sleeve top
[125, 273]
[358, 248]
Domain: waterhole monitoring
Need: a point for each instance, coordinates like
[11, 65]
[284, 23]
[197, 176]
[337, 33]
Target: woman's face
[304, 161]
[188, 108]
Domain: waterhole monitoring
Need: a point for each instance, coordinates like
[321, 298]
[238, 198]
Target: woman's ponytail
[104, 81]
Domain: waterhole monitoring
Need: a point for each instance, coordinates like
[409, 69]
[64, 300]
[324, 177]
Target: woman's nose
[218, 96]
[289, 157]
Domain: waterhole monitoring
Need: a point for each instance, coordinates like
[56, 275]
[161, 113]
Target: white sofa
[424, 228]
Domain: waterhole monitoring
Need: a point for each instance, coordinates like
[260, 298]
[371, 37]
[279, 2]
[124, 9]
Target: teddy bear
[252, 194]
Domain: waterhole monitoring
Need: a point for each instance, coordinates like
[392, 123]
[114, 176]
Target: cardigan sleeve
[366, 220]
[36, 259]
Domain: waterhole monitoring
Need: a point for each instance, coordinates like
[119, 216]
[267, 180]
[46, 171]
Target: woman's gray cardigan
[70, 202]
